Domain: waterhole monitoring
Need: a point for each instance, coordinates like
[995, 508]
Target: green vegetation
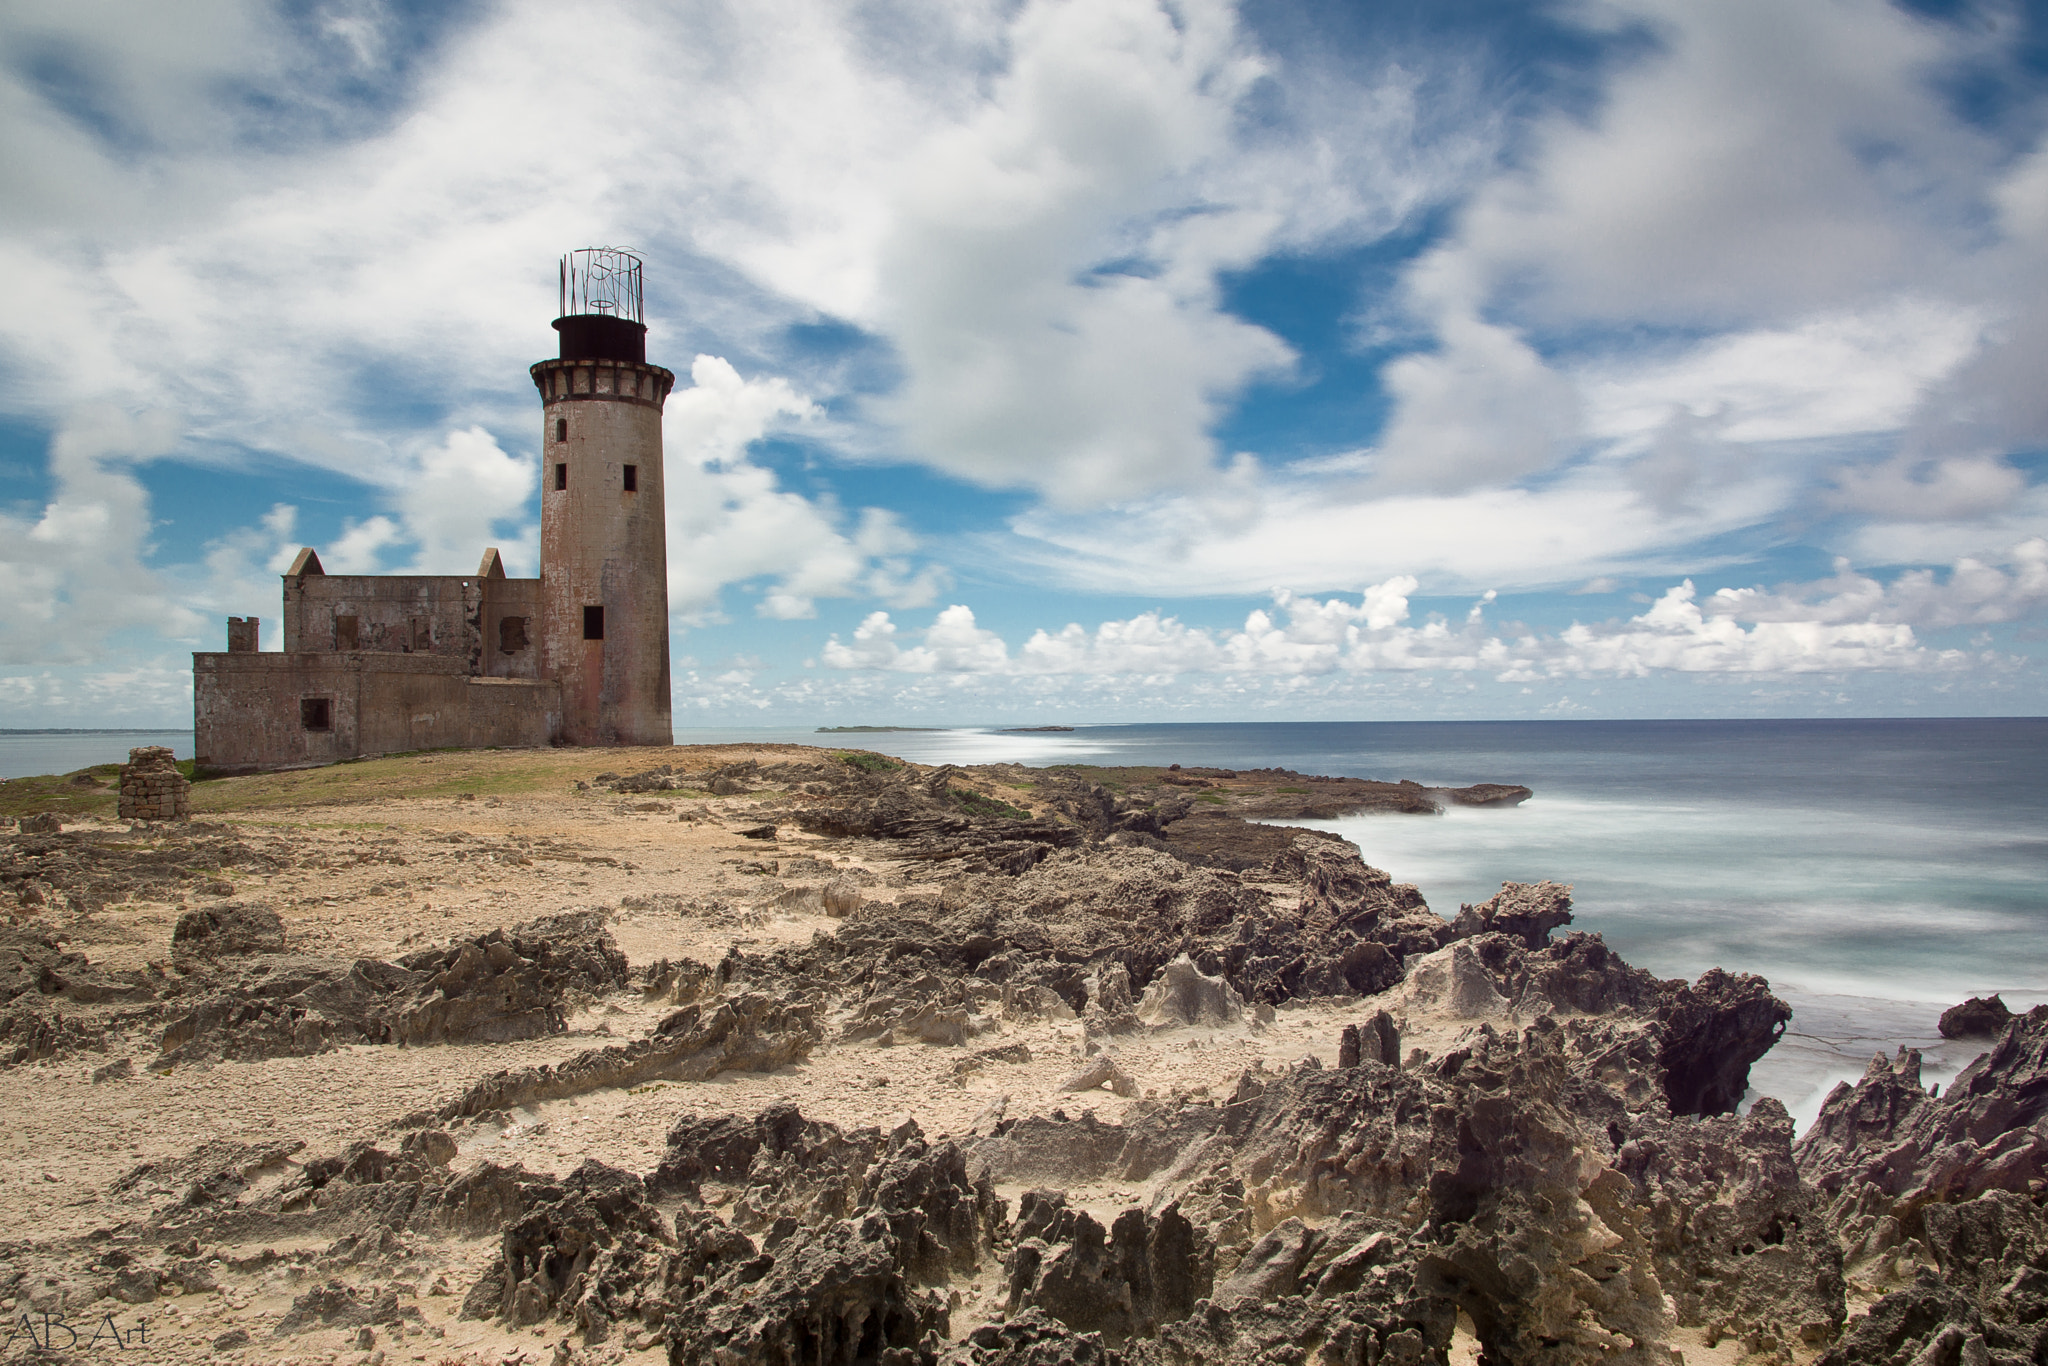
[986, 807]
[88, 792]
[455, 773]
[1212, 798]
[1301, 790]
[869, 763]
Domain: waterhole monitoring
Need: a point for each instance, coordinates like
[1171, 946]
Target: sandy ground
[380, 876]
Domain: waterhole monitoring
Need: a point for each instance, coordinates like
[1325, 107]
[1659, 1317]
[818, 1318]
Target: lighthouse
[386, 663]
[603, 629]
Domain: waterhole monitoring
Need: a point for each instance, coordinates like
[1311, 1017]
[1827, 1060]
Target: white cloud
[1025, 366]
[1971, 593]
[75, 573]
[1956, 489]
[729, 520]
[1319, 526]
[1484, 409]
[1786, 191]
[1305, 637]
[1761, 162]
[238, 576]
[360, 547]
[1842, 374]
[452, 501]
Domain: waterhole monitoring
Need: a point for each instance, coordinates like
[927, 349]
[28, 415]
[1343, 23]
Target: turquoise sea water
[1874, 871]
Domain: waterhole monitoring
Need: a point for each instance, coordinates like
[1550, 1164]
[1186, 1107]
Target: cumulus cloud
[1754, 162]
[1971, 593]
[729, 519]
[75, 573]
[1483, 409]
[1034, 356]
[1783, 198]
[1848, 624]
[453, 500]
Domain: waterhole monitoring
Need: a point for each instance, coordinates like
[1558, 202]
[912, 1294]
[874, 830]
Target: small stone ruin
[152, 789]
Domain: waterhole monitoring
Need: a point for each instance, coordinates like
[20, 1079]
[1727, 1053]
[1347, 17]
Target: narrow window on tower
[632, 478]
[561, 429]
[561, 476]
[593, 623]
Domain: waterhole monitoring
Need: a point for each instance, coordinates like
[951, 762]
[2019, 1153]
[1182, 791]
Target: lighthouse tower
[603, 536]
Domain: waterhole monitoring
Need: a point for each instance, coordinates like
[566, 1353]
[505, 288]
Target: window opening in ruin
[561, 429]
[511, 635]
[632, 478]
[316, 713]
[593, 623]
[561, 476]
[346, 632]
[423, 633]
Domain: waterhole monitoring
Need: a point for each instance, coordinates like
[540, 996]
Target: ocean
[24, 754]
[1875, 871]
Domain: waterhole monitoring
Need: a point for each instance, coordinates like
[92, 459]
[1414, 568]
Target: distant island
[887, 730]
[100, 730]
[870, 730]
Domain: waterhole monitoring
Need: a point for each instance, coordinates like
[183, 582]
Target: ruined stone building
[380, 663]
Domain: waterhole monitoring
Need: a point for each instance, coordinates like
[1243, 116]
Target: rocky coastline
[796, 1055]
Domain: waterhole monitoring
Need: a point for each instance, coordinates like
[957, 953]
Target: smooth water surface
[23, 756]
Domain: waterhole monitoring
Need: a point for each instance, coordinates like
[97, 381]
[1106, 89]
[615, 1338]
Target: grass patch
[869, 763]
[1301, 790]
[480, 773]
[987, 807]
[1212, 798]
[88, 792]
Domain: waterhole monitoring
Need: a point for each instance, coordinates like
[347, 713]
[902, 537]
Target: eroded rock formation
[1526, 1152]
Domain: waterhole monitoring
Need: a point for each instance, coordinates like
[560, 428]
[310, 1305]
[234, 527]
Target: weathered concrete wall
[605, 545]
[511, 627]
[435, 614]
[266, 711]
[513, 713]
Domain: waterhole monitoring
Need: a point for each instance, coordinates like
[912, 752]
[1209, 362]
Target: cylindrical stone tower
[603, 533]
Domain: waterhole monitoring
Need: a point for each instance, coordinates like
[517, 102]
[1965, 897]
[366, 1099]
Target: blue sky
[1113, 360]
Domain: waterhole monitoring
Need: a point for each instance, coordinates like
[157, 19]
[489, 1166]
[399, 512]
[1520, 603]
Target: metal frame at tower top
[604, 281]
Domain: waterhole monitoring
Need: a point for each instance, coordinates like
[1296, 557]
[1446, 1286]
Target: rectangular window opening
[632, 478]
[561, 476]
[511, 635]
[593, 623]
[316, 713]
[347, 632]
[561, 429]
